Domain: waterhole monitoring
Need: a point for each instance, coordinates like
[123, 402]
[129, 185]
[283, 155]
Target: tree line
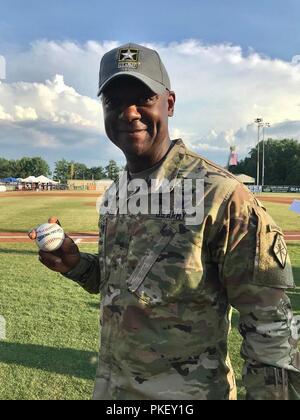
[63, 169]
[282, 162]
[74, 170]
[282, 166]
[24, 167]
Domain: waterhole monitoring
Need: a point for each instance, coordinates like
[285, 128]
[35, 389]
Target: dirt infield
[21, 237]
[92, 237]
[279, 200]
[292, 236]
[95, 194]
[25, 194]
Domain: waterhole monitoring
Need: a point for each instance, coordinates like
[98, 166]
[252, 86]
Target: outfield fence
[274, 188]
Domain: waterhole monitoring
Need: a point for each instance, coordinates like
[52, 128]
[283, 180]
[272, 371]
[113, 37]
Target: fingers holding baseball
[54, 219]
[32, 234]
[62, 260]
[68, 246]
[57, 251]
[51, 261]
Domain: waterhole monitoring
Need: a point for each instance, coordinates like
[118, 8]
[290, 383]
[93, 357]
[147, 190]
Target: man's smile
[132, 131]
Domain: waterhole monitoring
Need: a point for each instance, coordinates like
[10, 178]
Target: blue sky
[230, 61]
[271, 27]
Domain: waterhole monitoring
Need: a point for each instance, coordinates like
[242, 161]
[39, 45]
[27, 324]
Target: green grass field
[52, 330]
[52, 324]
[78, 214]
[286, 219]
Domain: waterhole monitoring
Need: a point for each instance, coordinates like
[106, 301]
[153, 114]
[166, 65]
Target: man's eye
[110, 102]
[144, 100]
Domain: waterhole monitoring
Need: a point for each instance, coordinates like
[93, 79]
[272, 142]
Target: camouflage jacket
[168, 288]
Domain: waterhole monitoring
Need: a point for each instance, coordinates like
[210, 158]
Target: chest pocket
[169, 267]
[116, 242]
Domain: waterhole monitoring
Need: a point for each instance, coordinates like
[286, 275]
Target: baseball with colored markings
[49, 236]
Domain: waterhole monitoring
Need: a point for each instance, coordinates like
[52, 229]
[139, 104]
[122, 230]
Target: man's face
[136, 119]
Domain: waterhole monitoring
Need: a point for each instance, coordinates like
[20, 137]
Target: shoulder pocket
[272, 263]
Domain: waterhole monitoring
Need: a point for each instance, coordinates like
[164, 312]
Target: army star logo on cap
[128, 58]
[280, 250]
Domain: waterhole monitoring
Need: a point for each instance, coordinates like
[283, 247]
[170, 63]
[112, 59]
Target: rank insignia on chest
[280, 250]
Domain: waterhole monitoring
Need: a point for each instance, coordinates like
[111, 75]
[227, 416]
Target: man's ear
[171, 103]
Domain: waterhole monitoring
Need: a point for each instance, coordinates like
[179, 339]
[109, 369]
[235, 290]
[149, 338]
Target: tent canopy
[11, 179]
[29, 179]
[44, 180]
[245, 179]
[39, 180]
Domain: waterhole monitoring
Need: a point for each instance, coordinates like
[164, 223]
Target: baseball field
[52, 333]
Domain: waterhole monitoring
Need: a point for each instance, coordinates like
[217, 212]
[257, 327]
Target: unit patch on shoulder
[280, 250]
[128, 58]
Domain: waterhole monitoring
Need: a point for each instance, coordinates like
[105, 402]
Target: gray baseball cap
[135, 61]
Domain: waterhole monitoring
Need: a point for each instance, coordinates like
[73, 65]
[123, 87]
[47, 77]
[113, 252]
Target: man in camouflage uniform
[167, 287]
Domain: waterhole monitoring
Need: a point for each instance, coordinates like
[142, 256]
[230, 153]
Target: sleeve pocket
[272, 264]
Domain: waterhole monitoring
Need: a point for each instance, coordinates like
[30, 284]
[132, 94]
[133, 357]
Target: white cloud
[51, 101]
[44, 59]
[4, 115]
[53, 120]
[220, 91]
[25, 113]
[54, 141]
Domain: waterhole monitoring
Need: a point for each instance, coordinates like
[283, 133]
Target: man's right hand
[64, 259]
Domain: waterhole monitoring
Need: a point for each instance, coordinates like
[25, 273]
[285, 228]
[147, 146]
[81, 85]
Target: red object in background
[233, 161]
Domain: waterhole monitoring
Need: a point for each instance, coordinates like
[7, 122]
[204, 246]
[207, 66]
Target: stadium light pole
[265, 125]
[259, 122]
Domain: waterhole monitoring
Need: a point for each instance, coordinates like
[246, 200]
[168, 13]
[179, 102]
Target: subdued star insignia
[280, 250]
[128, 55]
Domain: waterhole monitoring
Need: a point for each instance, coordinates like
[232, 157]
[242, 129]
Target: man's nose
[130, 113]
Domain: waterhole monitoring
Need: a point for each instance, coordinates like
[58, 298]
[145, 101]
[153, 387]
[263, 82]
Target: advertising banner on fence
[275, 188]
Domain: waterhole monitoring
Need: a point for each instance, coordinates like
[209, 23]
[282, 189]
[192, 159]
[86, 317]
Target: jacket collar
[167, 171]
